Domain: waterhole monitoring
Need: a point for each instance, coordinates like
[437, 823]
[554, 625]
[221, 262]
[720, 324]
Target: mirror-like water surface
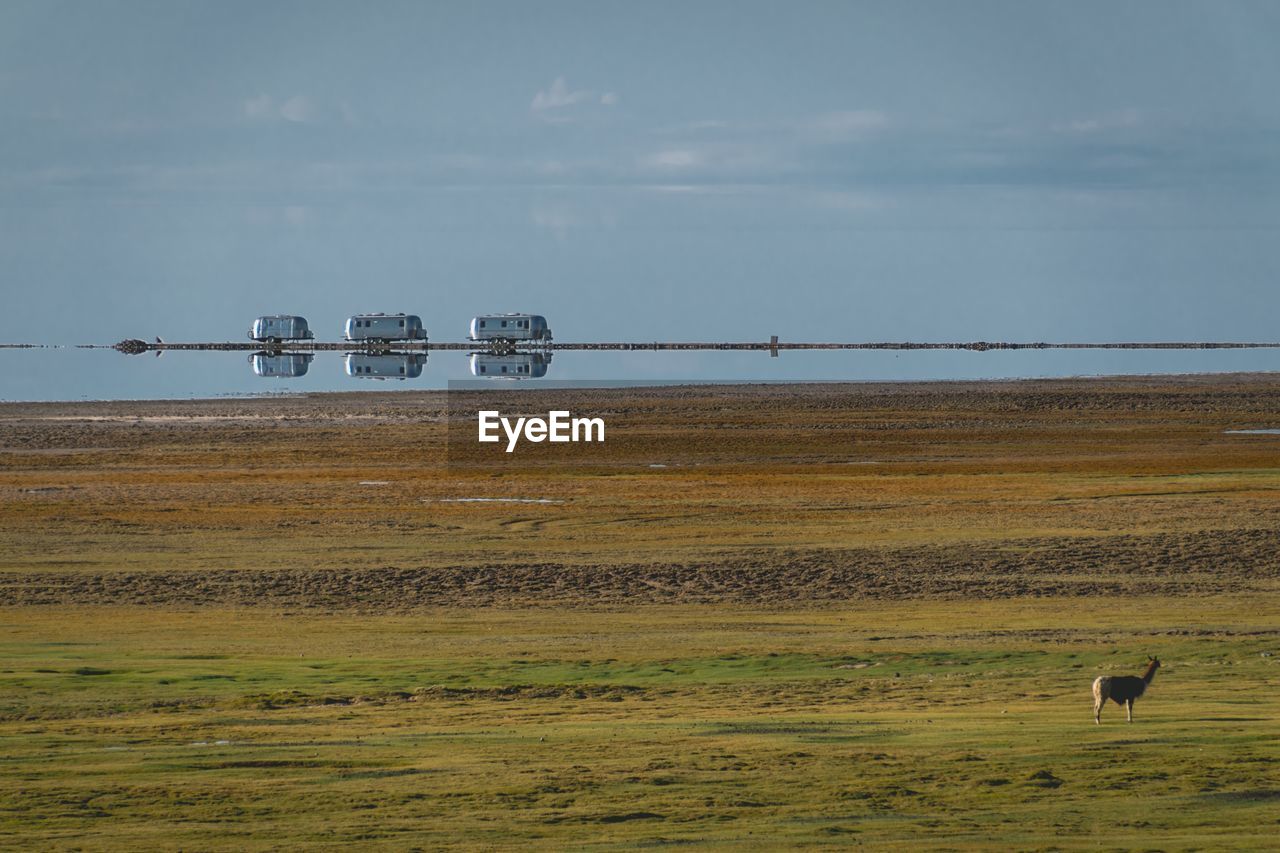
[76, 374]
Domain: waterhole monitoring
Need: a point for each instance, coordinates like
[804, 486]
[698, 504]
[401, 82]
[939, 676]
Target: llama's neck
[1150, 673]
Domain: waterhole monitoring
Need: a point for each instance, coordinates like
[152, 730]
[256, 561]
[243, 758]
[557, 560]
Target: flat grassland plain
[757, 616]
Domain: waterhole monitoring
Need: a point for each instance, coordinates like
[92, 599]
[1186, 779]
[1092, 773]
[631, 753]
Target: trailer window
[402, 324]
[482, 324]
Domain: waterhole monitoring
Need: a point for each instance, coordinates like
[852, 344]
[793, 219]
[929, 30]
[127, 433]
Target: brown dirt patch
[1168, 564]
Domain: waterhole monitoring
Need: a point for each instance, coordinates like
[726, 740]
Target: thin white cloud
[698, 189]
[299, 108]
[561, 218]
[297, 215]
[687, 128]
[847, 125]
[846, 200]
[555, 218]
[552, 168]
[260, 107]
[734, 161]
[674, 158]
[557, 96]
[558, 102]
[1121, 120]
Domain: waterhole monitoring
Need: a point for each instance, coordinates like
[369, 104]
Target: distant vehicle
[280, 327]
[384, 327]
[388, 365]
[281, 365]
[516, 365]
[510, 327]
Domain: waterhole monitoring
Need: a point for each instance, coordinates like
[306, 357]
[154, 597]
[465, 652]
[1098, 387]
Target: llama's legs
[1129, 707]
[1098, 702]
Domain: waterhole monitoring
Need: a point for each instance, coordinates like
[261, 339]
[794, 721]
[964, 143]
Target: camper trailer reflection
[280, 327]
[387, 365]
[510, 327]
[516, 365]
[282, 365]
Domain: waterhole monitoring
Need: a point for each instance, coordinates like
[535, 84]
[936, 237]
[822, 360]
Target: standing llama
[1121, 689]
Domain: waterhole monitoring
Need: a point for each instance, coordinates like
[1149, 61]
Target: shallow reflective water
[77, 374]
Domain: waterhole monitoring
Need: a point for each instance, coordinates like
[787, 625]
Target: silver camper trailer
[280, 327]
[516, 365]
[384, 327]
[280, 365]
[387, 365]
[510, 327]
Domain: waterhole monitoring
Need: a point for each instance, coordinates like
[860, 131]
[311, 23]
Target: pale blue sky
[723, 170]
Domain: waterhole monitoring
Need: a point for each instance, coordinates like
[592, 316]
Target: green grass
[957, 725]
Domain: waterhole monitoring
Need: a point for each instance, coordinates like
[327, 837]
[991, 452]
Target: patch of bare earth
[1170, 564]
